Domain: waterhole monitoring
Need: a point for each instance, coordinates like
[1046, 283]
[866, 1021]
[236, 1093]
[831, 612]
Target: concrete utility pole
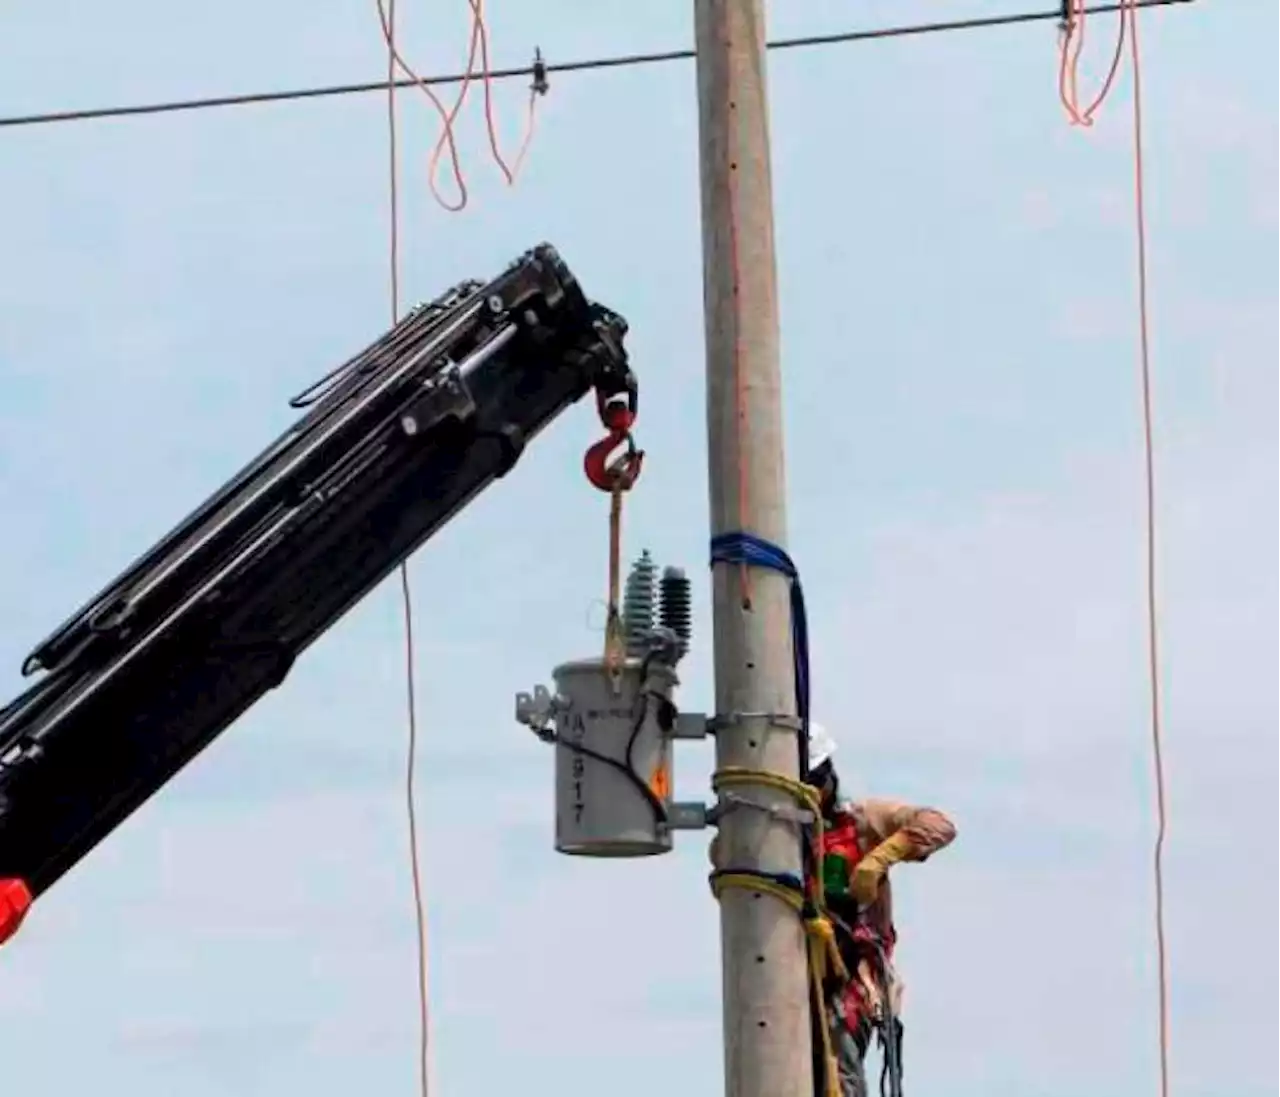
[766, 1007]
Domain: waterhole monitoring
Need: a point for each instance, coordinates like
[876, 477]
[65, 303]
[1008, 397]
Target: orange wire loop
[510, 172]
[1072, 46]
[447, 137]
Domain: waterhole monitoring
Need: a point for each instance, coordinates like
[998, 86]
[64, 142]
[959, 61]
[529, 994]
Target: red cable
[387, 17]
[1153, 615]
[1069, 66]
[479, 42]
[1072, 45]
[739, 388]
[447, 138]
[480, 26]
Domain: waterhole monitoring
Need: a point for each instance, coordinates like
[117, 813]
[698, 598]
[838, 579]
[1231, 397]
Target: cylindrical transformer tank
[602, 808]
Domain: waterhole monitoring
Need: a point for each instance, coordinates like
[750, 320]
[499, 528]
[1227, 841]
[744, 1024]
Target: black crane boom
[391, 445]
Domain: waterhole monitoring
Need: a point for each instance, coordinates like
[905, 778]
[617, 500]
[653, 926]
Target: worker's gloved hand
[864, 885]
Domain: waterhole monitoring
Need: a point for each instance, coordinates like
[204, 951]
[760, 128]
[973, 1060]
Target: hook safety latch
[606, 471]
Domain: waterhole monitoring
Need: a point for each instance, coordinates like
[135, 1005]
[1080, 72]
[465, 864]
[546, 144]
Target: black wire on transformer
[659, 808]
[626, 766]
[630, 60]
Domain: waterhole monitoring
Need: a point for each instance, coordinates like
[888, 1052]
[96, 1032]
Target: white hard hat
[821, 745]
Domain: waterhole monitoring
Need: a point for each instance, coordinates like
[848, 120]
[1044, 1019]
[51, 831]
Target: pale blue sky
[963, 454]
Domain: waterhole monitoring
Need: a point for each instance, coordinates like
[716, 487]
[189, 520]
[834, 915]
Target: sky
[962, 414]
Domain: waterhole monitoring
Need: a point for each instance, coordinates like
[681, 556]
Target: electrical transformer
[613, 729]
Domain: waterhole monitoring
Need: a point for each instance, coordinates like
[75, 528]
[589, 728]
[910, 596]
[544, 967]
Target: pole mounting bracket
[730, 720]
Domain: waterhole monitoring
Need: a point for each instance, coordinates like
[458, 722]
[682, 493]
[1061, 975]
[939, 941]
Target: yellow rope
[806, 795]
[823, 953]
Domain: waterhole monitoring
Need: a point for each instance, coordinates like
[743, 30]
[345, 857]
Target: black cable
[630, 60]
[637, 725]
[625, 768]
[659, 808]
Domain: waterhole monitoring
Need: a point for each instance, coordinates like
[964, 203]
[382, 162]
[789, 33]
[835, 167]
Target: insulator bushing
[639, 603]
[676, 606]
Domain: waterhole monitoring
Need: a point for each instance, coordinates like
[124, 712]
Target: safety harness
[825, 846]
[867, 993]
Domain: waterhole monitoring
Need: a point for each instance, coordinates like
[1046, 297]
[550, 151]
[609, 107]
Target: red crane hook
[620, 473]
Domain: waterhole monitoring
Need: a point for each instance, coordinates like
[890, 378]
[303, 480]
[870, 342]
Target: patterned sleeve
[927, 829]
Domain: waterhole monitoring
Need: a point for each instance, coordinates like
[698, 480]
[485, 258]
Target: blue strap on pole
[746, 548]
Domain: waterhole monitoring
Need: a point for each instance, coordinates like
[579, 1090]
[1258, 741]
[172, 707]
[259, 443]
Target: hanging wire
[619, 61]
[387, 16]
[1072, 45]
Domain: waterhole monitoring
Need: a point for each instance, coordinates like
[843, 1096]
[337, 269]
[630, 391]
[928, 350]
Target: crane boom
[392, 444]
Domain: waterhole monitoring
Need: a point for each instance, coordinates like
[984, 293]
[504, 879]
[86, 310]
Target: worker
[862, 840]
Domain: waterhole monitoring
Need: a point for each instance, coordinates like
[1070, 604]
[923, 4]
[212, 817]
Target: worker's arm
[918, 832]
[901, 833]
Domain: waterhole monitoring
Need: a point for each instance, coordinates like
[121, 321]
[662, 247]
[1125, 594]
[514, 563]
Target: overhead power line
[620, 61]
